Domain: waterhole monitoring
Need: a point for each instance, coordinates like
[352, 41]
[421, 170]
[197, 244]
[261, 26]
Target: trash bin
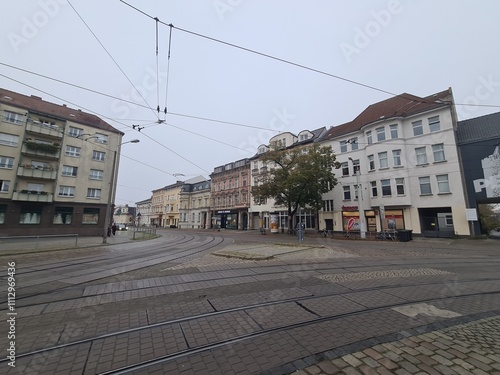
[405, 235]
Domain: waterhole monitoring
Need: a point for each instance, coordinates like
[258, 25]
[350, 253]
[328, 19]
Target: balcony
[27, 170]
[52, 151]
[45, 128]
[32, 196]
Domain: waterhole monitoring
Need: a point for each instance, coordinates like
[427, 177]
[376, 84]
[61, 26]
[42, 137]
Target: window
[386, 188]
[98, 155]
[62, 215]
[438, 151]
[75, 132]
[6, 162]
[93, 193]
[425, 185]
[3, 210]
[35, 188]
[328, 205]
[30, 215]
[400, 186]
[90, 216]
[13, 117]
[443, 183]
[347, 193]
[380, 134]
[345, 169]
[394, 131]
[101, 138]
[369, 139]
[66, 191]
[396, 157]
[448, 220]
[343, 146]
[354, 143]
[68, 170]
[417, 128]
[434, 124]
[4, 186]
[73, 151]
[9, 139]
[371, 162]
[96, 174]
[382, 159]
[355, 166]
[421, 155]
[373, 185]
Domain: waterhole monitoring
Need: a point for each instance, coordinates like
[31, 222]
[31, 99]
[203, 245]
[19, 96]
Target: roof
[36, 104]
[478, 129]
[398, 106]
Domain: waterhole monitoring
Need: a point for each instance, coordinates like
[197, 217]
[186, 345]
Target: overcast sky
[342, 56]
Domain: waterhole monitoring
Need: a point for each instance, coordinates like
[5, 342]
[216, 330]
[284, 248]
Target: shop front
[226, 219]
[351, 223]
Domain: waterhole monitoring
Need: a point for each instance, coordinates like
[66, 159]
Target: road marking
[425, 309]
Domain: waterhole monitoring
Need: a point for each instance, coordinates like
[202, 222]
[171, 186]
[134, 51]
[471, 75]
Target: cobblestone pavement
[365, 340]
[472, 348]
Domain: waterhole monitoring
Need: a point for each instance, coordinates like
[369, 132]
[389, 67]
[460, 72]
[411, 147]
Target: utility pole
[361, 208]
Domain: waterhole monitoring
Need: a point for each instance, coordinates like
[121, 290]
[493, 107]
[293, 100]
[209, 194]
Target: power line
[111, 57]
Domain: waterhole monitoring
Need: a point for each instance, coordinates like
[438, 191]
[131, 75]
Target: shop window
[3, 211]
[63, 215]
[90, 216]
[30, 215]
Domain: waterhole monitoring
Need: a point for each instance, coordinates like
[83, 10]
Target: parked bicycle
[351, 235]
[386, 235]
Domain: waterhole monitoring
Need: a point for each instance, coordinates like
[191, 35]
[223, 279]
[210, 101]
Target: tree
[296, 177]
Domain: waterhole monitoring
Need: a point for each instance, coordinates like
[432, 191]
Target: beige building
[165, 206]
[56, 167]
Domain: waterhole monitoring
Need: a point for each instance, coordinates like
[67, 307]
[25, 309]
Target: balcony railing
[32, 196]
[29, 148]
[37, 172]
[38, 127]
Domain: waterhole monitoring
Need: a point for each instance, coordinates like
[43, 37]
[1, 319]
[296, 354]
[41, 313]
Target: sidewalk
[33, 244]
[471, 348]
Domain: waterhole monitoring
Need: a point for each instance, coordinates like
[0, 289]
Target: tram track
[261, 331]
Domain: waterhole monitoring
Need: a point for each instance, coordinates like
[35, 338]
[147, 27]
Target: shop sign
[350, 208]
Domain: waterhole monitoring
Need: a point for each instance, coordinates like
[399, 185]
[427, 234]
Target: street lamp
[110, 196]
[359, 189]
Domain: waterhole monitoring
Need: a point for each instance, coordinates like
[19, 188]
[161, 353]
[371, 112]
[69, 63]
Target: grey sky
[420, 47]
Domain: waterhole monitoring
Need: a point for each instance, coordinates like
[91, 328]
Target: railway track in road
[256, 322]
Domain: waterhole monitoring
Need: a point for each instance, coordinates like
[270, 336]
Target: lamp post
[359, 189]
[110, 196]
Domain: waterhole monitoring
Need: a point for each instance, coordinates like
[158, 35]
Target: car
[122, 227]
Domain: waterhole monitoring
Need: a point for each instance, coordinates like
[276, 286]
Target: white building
[399, 169]
[194, 203]
[264, 213]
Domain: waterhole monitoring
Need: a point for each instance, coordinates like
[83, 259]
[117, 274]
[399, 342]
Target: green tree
[296, 177]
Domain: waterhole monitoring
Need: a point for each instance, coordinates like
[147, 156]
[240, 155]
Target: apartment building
[165, 203]
[230, 195]
[194, 204]
[265, 213]
[56, 168]
[399, 169]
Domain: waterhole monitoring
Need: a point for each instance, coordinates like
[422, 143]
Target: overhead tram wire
[168, 71]
[421, 100]
[111, 57]
[157, 73]
[131, 102]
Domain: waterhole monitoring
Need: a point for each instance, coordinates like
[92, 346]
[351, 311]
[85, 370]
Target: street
[237, 302]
